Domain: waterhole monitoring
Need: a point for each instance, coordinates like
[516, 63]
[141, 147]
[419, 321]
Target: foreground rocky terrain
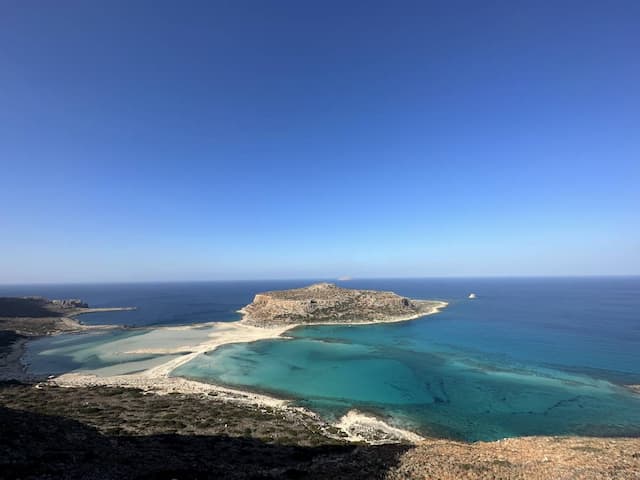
[328, 303]
[108, 433]
[111, 433]
[528, 458]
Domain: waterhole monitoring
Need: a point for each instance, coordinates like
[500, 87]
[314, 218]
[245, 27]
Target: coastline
[99, 310]
[440, 304]
[73, 325]
[11, 366]
[355, 426]
[11, 362]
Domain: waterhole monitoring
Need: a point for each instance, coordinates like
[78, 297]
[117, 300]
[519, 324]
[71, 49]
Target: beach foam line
[362, 427]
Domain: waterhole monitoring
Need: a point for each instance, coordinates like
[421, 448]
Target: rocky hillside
[38, 307]
[328, 303]
[41, 316]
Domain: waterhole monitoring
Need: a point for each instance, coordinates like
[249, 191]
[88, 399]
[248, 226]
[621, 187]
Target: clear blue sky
[231, 140]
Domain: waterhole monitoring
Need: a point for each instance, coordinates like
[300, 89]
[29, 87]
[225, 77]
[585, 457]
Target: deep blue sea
[158, 304]
[528, 356]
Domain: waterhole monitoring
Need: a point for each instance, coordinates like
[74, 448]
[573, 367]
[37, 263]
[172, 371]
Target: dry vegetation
[113, 433]
[104, 433]
[128, 411]
[535, 458]
[328, 303]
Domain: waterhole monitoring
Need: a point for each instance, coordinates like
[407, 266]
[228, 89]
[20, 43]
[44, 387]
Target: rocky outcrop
[328, 303]
[38, 307]
[70, 303]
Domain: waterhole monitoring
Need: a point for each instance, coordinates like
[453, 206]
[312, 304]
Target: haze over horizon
[306, 280]
[151, 141]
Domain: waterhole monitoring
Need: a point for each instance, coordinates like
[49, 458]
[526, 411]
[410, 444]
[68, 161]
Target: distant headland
[41, 316]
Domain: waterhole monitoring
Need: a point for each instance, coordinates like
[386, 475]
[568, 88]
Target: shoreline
[11, 367]
[434, 307]
[354, 425]
[83, 311]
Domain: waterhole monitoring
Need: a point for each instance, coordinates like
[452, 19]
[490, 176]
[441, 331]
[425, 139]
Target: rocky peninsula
[41, 316]
[25, 318]
[327, 303]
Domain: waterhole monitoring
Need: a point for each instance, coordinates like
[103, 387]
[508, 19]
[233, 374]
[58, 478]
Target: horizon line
[316, 279]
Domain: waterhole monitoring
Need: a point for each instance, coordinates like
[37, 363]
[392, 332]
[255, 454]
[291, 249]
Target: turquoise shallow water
[528, 356]
[524, 358]
[113, 352]
[438, 391]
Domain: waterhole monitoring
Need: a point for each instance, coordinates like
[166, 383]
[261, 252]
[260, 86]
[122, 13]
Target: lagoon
[526, 357]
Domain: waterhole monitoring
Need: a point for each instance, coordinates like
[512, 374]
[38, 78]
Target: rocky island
[328, 303]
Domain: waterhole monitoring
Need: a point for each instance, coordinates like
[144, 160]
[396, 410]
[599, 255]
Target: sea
[527, 356]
